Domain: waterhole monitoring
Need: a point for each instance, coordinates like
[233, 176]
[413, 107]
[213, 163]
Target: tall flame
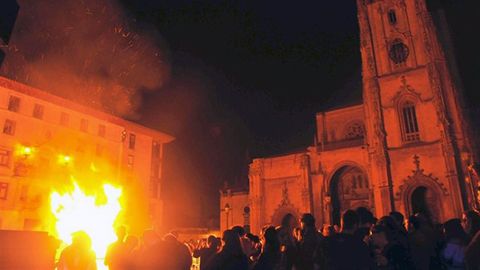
[93, 214]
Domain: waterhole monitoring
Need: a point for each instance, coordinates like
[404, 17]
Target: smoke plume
[88, 51]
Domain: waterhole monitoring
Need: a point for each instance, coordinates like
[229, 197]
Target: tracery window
[355, 131]
[409, 123]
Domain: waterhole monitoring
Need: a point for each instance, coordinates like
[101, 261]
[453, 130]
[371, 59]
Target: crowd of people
[360, 242]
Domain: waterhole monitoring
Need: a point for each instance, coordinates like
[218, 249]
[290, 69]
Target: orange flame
[77, 211]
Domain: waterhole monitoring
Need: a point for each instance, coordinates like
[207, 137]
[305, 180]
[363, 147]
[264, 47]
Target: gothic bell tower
[412, 108]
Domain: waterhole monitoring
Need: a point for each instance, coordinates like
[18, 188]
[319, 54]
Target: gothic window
[408, 116]
[392, 17]
[355, 131]
[398, 51]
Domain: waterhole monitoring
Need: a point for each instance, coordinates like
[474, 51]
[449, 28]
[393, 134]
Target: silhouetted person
[421, 242]
[310, 246]
[345, 251]
[207, 253]
[173, 254]
[387, 252]
[131, 245]
[247, 245]
[287, 241]
[79, 255]
[365, 218]
[231, 257]
[453, 250]
[145, 257]
[270, 256]
[471, 221]
[399, 220]
[114, 258]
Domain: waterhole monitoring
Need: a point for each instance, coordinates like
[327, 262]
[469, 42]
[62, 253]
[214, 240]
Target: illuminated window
[9, 127]
[131, 141]
[409, 122]
[3, 191]
[101, 130]
[14, 104]
[4, 157]
[64, 119]
[392, 17]
[38, 111]
[84, 125]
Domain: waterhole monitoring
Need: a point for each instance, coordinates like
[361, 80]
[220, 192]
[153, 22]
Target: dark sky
[247, 80]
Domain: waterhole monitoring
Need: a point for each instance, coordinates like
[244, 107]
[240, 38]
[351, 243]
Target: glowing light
[24, 151]
[94, 214]
[64, 159]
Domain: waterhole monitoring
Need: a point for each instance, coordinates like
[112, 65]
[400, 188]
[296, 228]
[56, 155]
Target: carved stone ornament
[405, 90]
[419, 178]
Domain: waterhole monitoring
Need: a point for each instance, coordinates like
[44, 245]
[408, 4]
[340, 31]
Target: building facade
[406, 147]
[46, 140]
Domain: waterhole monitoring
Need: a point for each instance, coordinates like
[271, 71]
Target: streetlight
[227, 210]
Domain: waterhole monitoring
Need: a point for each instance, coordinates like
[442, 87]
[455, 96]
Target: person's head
[349, 221]
[389, 223]
[131, 242]
[307, 221]
[231, 242]
[81, 240]
[365, 217]
[121, 232]
[453, 230]
[380, 236]
[288, 221]
[398, 218]
[270, 238]
[211, 240]
[471, 222]
[239, 230]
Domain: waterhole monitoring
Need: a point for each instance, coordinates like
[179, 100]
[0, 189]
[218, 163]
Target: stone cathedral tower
[412, 108]
[405, 148]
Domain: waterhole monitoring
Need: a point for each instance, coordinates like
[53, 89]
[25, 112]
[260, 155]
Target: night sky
[247, 80]
[237, 79]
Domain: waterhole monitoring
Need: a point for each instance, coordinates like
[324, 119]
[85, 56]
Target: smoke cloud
[89, 51]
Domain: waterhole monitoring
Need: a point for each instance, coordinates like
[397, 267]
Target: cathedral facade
[405, 148]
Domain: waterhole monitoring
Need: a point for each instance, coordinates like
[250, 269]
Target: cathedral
[407, 147]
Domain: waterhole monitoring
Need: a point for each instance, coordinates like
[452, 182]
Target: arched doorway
[424, 200]
[349, 189]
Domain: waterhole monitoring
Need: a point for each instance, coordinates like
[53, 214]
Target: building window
[3, 191]
[355, 131]
[131, 141]
[101, 130]
[398, 52]
[84, 125]
[409, 122]
[9, 127]
[392, 17]
[130, 160]
[4, 157]
[14, 104]
[64, 119]
[38, 111]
